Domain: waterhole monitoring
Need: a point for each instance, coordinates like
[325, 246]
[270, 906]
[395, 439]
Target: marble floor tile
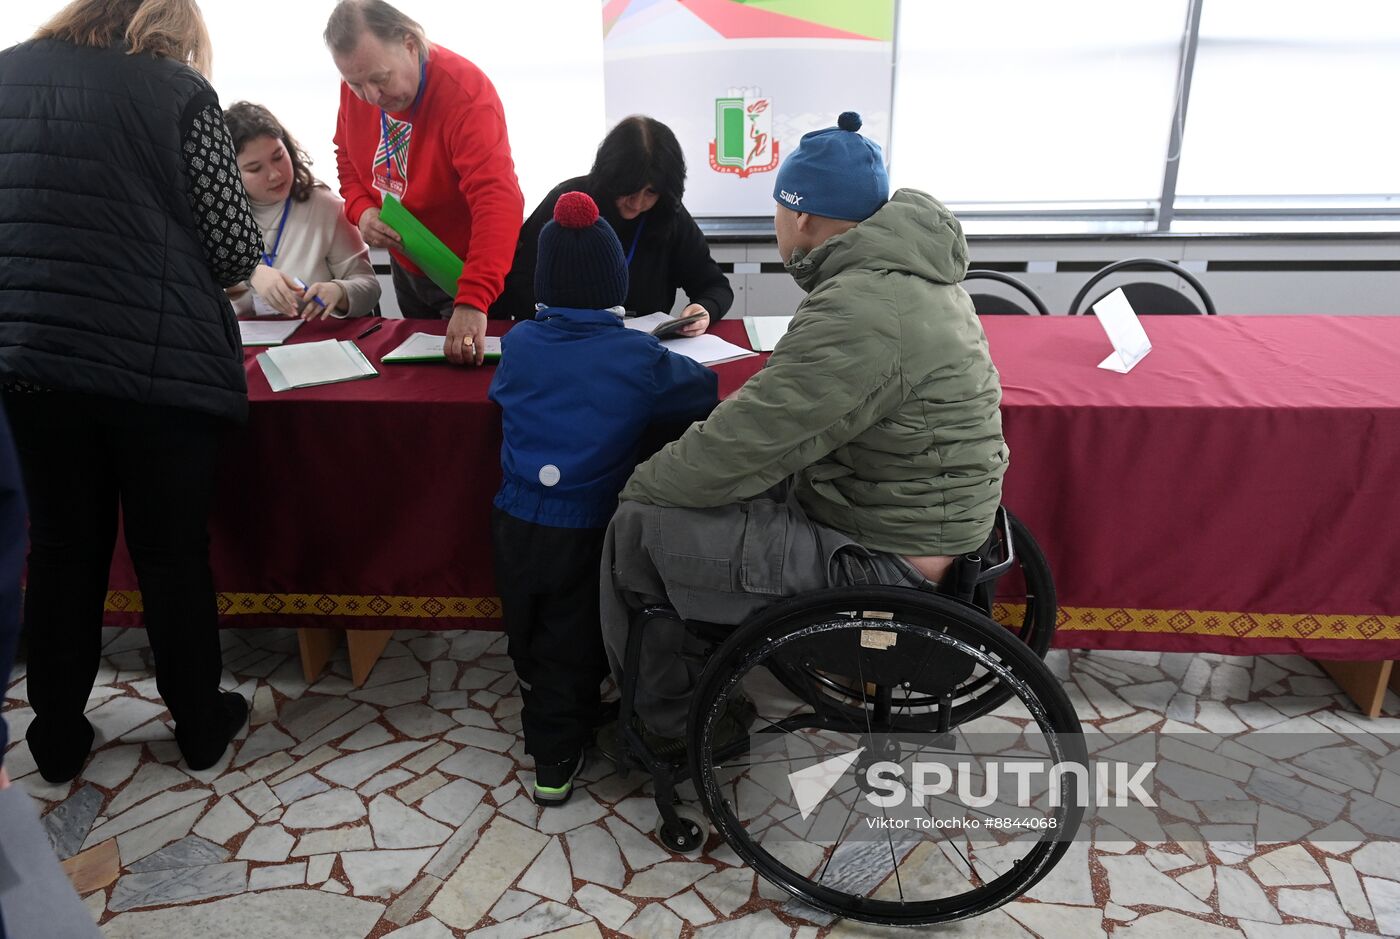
[420, 787]
[550, 875]
[111, 766]
[454, 802]
[395, 825]
[181, 885]
[383, 873]
[355, 768]
[654, 921]
[604, 906]
[191, 851]
[500, 855]
[415, 791]
[385, 780]
[511, 904]
[265, 915]
[266, 843]
[69, 822]
[277, 875]
[329, 809]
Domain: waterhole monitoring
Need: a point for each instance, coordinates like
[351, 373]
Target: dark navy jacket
[577, 392]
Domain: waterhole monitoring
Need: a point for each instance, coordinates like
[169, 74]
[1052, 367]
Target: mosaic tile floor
[400, 810]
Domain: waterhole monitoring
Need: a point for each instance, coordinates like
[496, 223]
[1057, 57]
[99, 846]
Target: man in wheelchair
[868, 451]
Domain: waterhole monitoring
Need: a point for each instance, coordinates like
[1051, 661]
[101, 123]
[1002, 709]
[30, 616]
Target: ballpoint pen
[372, 329]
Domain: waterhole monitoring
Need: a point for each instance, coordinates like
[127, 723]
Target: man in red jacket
[423, 123]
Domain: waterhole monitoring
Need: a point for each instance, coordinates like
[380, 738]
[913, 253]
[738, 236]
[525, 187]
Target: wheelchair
[840, 697]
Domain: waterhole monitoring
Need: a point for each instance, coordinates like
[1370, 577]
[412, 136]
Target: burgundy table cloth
[364, 504]
[1236, 492]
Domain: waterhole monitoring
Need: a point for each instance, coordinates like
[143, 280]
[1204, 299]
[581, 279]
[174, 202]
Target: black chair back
[988, 304]
[1149, 298]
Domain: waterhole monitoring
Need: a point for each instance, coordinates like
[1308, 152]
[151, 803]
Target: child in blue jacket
[577, 391]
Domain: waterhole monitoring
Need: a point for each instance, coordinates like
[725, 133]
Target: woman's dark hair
[247, 121]
[639, 152]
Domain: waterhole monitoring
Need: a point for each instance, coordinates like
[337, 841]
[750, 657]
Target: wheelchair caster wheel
[687, 838]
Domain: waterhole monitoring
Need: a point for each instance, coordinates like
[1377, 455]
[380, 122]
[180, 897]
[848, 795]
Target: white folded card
[1130, 342]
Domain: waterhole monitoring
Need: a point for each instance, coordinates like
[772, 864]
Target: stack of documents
[765, 331]
[267, 332]
[314, 363]
[426, 347]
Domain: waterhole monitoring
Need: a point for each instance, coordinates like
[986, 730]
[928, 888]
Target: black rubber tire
[931, 616]
[980, 694]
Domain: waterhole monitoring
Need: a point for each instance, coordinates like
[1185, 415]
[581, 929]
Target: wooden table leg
[316, 648]
[365, 648]
[1365, 682]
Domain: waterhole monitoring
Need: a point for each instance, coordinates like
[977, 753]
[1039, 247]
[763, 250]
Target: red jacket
[460, 179]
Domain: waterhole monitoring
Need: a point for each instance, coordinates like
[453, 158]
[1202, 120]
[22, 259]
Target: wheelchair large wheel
[805, 796]
[1021, 600]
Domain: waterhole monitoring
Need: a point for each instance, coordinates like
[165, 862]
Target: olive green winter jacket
[881, 399]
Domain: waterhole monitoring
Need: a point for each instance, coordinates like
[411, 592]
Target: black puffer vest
[104, 286]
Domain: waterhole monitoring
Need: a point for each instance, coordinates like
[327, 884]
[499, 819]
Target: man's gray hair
[351, 19]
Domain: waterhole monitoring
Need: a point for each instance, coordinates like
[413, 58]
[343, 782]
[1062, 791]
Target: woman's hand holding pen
[322, 299]
[277, 290]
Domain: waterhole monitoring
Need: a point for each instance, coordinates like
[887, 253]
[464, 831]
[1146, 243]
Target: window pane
[1027, 101]
[1291, 98]
[545, 58]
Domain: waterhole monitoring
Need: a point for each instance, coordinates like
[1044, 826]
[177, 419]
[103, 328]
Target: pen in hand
[372, 329]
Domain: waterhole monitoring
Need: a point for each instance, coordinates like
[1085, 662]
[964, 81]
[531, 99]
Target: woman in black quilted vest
[122, 218]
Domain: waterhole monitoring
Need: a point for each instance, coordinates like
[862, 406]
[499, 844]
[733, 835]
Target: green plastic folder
[422, 247]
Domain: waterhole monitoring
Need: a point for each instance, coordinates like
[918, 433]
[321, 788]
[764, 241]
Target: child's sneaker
[554, 782]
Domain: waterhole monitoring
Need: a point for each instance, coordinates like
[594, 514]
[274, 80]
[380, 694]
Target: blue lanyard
[636, 237]
[270, 259]
[391, 149]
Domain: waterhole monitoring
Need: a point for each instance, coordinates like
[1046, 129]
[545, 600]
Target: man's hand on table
[466, 336]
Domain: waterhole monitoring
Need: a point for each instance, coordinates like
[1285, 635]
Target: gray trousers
[419, 298]
[718, 565]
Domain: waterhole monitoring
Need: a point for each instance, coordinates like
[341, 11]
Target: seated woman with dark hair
[637, 180]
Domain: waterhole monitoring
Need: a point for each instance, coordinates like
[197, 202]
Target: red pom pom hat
[580, 264]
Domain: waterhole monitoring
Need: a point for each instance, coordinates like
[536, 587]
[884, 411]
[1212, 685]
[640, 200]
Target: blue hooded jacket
[577, 392]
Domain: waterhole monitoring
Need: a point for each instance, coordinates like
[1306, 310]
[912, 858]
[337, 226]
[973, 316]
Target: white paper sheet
[707, 349]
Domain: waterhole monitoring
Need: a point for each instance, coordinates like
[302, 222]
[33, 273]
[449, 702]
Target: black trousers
[547, 579]
[82, 458]
[419, 298]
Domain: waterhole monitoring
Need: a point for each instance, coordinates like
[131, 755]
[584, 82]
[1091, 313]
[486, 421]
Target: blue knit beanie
[835, 173]
[580, 263]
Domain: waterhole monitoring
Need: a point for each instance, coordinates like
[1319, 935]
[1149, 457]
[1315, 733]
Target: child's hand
[4, 779]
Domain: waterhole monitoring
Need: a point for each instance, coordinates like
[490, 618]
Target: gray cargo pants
[718, 565]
